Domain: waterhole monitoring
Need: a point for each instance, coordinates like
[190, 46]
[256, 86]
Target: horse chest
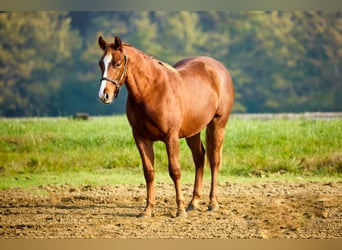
[147, 125]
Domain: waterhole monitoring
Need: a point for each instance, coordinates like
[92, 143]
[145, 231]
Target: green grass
[102, 151]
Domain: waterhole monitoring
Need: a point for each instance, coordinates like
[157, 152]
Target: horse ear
[117, 43]
[102, 43]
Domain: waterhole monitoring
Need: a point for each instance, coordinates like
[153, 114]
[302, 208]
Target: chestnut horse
[166, 103]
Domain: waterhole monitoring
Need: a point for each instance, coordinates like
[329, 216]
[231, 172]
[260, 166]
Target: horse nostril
[106, 96]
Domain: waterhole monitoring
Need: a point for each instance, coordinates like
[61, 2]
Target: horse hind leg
[214, 142]
[198, 155]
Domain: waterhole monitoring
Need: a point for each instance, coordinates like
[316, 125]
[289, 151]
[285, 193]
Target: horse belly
[192, 128]
[197, 116]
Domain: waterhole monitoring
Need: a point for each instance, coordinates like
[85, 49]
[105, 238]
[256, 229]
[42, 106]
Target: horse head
[113, 64]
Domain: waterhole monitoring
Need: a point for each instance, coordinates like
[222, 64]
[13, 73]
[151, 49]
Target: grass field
[101, 150]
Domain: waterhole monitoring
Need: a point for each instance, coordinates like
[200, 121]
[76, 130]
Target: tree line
[279, 61]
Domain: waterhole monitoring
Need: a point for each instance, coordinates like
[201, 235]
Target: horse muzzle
[106, 98]
[108, 93]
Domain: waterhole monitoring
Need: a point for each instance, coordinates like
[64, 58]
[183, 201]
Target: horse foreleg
[198, 153]
[172, 146]
[147, 156]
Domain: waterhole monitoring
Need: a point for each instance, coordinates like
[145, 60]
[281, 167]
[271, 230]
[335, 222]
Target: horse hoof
[182, 214]
[213, 208]
[145, 215]
[191, 207]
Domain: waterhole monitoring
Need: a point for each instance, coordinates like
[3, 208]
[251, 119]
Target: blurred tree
[320, 66]
[35, 48]
[181, 35]
[144, 34]
[280, 61]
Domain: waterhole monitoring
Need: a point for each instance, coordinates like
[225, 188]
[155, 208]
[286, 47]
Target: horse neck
[142, 74]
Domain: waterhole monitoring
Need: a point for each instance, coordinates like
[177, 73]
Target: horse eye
[117, 65]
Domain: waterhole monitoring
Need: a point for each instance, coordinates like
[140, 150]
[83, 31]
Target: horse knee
[149, 175]
[175, 173]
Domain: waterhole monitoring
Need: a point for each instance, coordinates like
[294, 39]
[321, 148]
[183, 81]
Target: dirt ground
[262, 210]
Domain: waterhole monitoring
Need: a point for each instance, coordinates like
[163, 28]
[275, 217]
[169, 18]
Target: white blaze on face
[106, 61]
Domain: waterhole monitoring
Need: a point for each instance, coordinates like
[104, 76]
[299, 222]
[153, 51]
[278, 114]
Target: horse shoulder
[152, 120]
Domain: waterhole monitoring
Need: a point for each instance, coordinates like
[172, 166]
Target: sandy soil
[262, 210]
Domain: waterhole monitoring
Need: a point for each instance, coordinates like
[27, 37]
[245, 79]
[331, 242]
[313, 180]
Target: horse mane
[152, 58]
[168, 66]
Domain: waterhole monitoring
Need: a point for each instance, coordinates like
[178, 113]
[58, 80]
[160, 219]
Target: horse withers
[166, 103]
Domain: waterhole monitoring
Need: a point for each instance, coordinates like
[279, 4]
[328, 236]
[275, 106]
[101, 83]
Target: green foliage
[280, 61]
[103, 147]
[35, 49]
